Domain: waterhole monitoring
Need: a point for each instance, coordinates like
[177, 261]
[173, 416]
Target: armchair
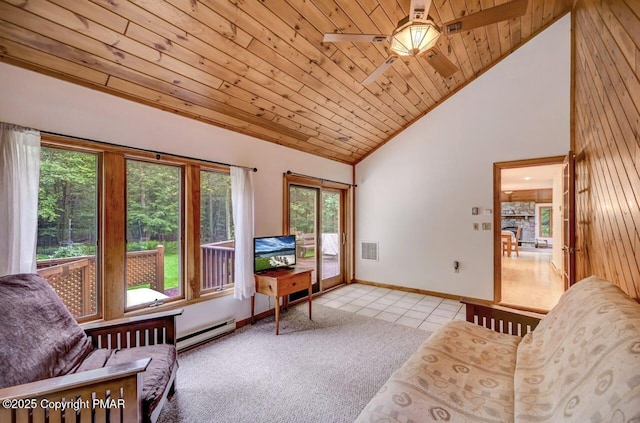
[53, 369]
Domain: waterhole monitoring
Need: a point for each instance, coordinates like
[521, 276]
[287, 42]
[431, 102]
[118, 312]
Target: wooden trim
[497, 212]
[352, 239]
[530, 162]
[572, 88]
[414, 290]
[114, 240]
[497, 240]
[286, 223]
[193, 256]
[313, 182]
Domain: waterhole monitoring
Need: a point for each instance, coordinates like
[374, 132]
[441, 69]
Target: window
[153, 258]
[545, 214]
[68, 227]
[216, 230]
[111, 228]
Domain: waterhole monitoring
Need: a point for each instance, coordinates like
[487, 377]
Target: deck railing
[217, 265]
[74, 278]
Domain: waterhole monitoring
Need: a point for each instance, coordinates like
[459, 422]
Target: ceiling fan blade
[355, 38]
[380, 70]
[510, 10]
[440, 63]
[422, 7]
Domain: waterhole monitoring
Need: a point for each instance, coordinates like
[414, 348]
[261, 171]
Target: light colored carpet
[325, 370]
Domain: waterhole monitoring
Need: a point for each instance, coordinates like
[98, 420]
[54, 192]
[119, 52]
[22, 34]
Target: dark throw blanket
[39, 338]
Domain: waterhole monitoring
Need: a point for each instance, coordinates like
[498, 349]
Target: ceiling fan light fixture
[414, 37]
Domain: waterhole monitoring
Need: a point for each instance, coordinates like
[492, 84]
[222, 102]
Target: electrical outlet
[486, 226]
[476, 226]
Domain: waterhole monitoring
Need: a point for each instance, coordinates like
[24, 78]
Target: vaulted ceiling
[260, 67]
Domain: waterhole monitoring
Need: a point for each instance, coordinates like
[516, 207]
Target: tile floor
[404, 308]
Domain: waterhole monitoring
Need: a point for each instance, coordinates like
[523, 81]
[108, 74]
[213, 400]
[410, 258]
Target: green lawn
[171, 270]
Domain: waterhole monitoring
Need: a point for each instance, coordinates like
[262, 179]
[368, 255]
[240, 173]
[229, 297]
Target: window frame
[216, 169]
[47, 143]
[111, 245]
[181, 229]
[539, 208]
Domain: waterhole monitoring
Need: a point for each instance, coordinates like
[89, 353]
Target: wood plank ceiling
[260, 67]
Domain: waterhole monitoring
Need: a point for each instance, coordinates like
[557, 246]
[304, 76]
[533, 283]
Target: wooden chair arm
[501, 319]
[110, 393]
[74, 380]
[135, 331]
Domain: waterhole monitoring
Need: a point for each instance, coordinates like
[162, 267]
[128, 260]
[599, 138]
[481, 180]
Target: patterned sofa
[581, 363]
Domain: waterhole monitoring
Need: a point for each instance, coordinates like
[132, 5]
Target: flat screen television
[272, 252]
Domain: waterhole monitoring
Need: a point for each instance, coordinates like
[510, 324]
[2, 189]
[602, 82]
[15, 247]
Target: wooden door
[568, 221]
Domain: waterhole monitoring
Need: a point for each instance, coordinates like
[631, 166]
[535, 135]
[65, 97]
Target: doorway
[528, 233]
[315, 211]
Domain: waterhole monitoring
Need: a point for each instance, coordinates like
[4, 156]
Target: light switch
[486, 226]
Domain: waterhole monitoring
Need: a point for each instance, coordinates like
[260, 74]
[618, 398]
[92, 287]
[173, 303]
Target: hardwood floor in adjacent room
[530, 281]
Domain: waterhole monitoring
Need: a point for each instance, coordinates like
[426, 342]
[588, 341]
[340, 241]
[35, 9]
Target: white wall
[48, 104]
[415, 194]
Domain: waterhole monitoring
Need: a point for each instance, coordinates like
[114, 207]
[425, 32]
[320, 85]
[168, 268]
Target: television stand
[280, 283]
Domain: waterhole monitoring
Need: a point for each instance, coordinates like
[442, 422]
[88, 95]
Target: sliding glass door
[303, 219]
[315, 214]
[331, 238]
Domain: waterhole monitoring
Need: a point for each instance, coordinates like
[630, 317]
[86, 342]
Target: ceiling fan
[417, 34]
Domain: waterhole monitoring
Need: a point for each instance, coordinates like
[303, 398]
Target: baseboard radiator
[206, 333]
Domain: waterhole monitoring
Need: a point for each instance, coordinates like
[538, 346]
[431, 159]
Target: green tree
[153, 201]
[67, 198]
[302, 209]
[216, 221]
[330, 212]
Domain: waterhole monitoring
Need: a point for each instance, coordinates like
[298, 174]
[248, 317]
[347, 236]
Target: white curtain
[242, 204]
[19, 181]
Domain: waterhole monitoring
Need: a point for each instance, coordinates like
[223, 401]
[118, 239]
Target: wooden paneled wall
[607, 140]
[536, 195]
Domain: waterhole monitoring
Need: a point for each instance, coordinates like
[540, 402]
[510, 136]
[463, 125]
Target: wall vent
[206, 333]
[369, 250]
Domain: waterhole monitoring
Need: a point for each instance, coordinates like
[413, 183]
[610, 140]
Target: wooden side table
[280, 283]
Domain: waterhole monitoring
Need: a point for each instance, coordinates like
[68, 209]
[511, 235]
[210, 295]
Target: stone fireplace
[520, 213]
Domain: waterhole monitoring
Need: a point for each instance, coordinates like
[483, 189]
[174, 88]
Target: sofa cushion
[582, 362]
[40, 338]
[154, 379]
[462, 373]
